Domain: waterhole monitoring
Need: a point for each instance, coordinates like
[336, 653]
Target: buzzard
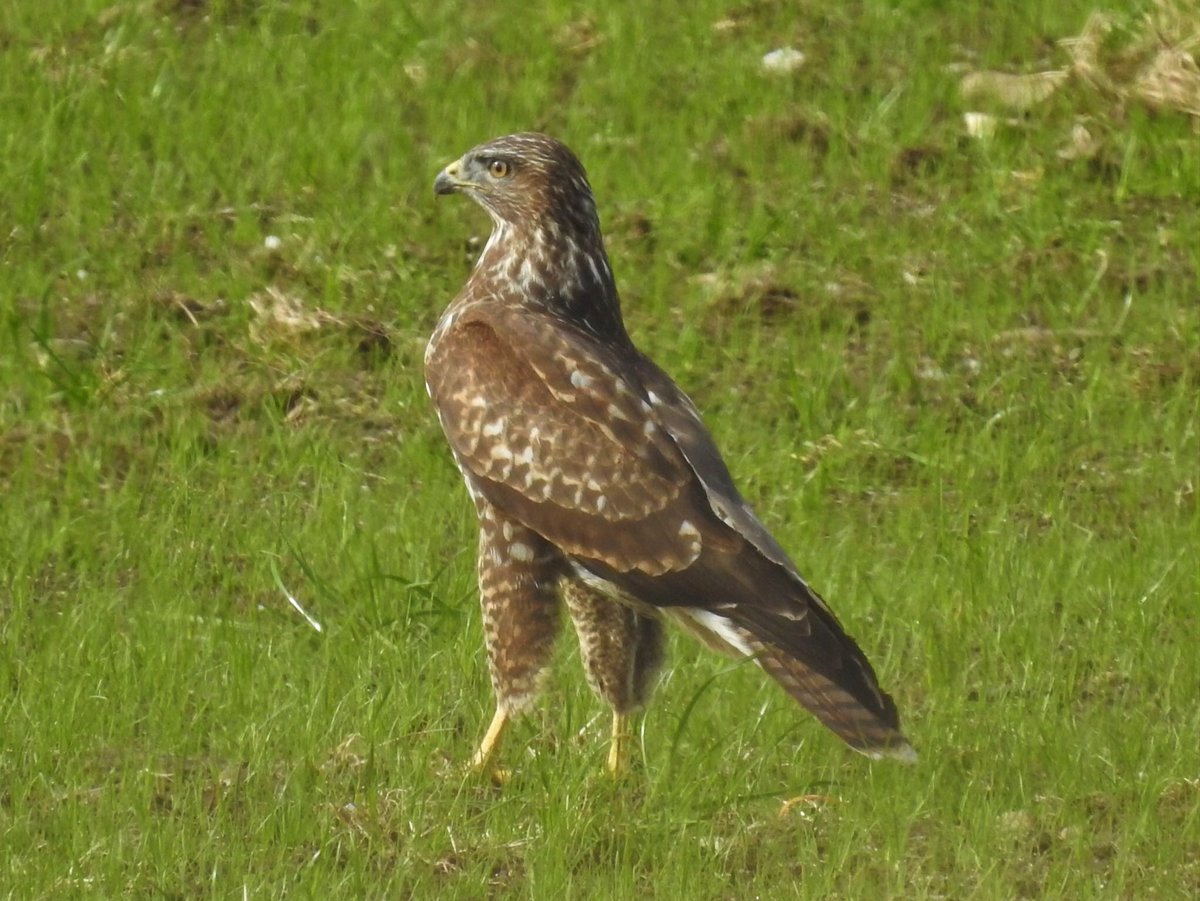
[596, 483]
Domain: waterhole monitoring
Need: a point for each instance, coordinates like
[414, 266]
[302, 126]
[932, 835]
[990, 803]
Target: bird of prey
[596, 483]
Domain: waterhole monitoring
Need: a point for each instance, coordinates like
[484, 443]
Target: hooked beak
[448, 180]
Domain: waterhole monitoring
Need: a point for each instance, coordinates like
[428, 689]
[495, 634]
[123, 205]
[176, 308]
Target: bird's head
[526, 180]
[546, 251]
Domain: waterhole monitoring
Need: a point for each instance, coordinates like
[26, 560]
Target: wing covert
[555, 435]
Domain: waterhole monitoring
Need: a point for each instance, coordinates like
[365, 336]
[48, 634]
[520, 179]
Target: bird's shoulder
[516, 355]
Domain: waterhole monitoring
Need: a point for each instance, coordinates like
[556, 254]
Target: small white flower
[273, 242]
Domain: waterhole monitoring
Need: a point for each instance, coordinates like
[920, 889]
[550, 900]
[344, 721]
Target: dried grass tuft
[1016, 92]
[1149, 60]
[278, 315]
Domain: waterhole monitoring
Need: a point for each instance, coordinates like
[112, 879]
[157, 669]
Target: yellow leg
[490, 746]
[618, 751]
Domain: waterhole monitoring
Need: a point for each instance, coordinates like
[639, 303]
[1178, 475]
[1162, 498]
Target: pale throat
[547, 263]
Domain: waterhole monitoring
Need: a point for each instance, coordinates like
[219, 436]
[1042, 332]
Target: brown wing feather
[569, 458]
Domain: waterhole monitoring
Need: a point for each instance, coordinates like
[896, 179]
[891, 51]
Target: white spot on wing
[616, 412]
[521, 552]
[579, 380]
[593, 581]
[719, 626]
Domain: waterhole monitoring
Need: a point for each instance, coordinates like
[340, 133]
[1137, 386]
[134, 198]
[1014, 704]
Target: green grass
[960, 380]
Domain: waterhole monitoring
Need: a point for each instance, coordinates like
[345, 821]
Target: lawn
[956, 369]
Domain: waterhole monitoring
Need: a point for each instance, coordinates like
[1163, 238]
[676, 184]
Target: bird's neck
[565, 274]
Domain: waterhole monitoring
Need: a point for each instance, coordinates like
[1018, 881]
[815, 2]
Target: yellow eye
[498, 168]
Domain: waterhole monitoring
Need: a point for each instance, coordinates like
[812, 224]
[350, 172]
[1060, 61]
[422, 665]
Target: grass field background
[958, 378]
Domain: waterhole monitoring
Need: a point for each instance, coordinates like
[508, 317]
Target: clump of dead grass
[1123, 59]
[1149, 60]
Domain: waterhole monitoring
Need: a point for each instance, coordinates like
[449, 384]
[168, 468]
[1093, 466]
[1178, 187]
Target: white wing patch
[691, 534]
[596, 583]
[719, 627]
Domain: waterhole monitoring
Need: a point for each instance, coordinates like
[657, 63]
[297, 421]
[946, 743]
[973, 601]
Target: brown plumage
[596, 482]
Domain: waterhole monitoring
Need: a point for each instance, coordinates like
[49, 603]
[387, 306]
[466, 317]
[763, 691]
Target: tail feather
[822, 669]
[737, 600]
[871, 730]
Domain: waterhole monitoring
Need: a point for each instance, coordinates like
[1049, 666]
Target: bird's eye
[498, 168]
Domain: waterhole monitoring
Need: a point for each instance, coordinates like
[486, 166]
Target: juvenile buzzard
[596, 483]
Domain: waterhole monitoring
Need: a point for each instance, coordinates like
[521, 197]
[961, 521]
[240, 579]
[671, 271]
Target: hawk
[596, 483]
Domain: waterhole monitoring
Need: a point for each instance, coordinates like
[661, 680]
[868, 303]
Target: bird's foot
[483, 760]
[618, 749]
